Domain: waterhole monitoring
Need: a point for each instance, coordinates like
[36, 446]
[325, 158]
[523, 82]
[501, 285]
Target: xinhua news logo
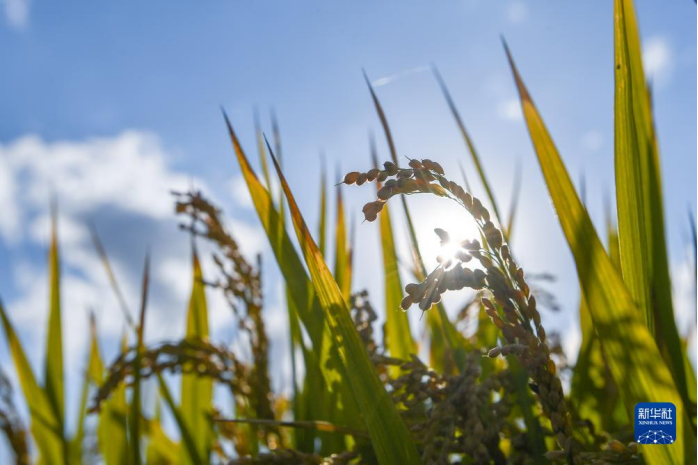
[655, 423]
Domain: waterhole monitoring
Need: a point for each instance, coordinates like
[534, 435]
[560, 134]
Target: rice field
[364, 393]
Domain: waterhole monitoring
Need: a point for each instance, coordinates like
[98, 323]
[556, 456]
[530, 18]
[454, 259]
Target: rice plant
[360, 392]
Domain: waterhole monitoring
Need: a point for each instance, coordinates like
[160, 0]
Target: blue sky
[111, 104]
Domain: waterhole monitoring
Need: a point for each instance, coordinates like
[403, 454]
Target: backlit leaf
[633, 357]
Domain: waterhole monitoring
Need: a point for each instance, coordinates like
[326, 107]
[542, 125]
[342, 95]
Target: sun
[449, 251]
[447, 216]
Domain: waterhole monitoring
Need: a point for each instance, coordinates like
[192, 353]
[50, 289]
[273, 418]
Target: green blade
[197, 391]
[342, 273]
[135, 409]
[446, 331]
[643, 254]
[54, 341]
[45, 427]
[469, 144]
[261, 149]
[389, 435]
[398, 337]
[112, 423]
[161, 449]
[514, 204]
[299, 287]
[77, 440]
[188, 437]
[322, 232]
[633, 357]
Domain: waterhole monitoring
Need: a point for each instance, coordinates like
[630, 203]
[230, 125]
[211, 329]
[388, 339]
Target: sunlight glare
[436, 213]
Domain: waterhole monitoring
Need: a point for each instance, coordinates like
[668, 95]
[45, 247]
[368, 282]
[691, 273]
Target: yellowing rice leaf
[632, 355]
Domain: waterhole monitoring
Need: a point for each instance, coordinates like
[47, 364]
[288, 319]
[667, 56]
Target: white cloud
[517, 12]
[510, 110]
[684, 298]
[240, 193]
[658, 59]
[17, 13]
[9, 220]
[684, 295]
[593, 140]
[127, 172]
[123, 184]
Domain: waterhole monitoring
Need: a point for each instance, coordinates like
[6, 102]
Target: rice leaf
[389, 435]
[45, 427]
[314, 425]
[135, 409]
[442, 327]
[342, 273]
[76, 441]
[104, 258]
[53, 381]
[161, 449]
[197, 391]
[299, 287]
[398, 337]
[469, 144]
[393, 157]
[261, 149]
[594, 393]
[633, 357]
[643, 254]
[112, 424]
[322, 228]
[514, 203]
[184, 429]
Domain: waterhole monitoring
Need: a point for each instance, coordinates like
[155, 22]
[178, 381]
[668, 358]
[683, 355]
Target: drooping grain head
[511, 307]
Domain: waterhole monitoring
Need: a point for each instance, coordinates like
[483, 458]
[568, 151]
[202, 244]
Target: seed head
[390, 168]
[433, 166]
[372, 209]
[443, 236]
[492, 235]
[385, 192]
[351, 178]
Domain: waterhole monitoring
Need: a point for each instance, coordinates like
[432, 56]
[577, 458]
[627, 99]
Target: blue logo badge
[655, 423]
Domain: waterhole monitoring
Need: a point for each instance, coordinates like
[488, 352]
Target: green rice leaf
[514, 204]
[197, 391]
[45, 427]
[161, 448]
[643, 254]
[261, 149]
[300, 289]
[322, 228]
[113, 425]
[135, 410]
[469, 144]
[442, 328]
[633, 357]
[77, 440]
[104, 258]
[184, 428]
[342, 266]
[54, 340]
[397, 327]
[389, 435]
[398, 337]
[594, 393]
